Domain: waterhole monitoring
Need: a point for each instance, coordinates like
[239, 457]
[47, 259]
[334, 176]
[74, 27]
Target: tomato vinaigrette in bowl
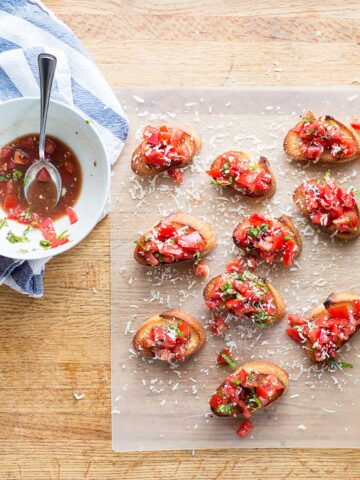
[15, 159]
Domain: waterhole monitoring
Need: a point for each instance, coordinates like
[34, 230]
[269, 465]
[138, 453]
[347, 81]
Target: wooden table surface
[60, 345]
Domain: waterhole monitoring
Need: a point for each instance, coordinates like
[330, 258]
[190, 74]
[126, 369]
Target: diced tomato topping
[327, 204]
[201, 269]
[324, 133]
[244, 295]
[72, 215]
[217, 326]
[262, 392]
[165, 147]
[43, 175]
[166, 230]
[168, 244]
[245, 428]
[192, 241]
[217, 400]
[168, 342]
[241, 173]
[6, 152]
[339, 311]
[176, 175]
[267, 239]
[355, 125]
[10, 202]
[294, 334]
[326, 332]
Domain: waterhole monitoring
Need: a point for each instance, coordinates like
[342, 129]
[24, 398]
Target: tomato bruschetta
[171, 336]
[238, 171]
[328, 327]
[269, 239]
[322, 139]
[165, 148]
[250, 388]
[244, 295]
[329, 206]
[176, 238]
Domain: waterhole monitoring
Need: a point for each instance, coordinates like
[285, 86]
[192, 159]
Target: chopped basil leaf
[3, 178]
[139, 244]
[228, 359]
[179, 333]
[172, 241]
[45, 243]
[214, 182]
[61, 235]
[24, 234]
[307, 120]
[237, 382]
[147, 238]
[16, 175]
[337, 363]
[227, 288]
[256, 231]
[3, 223]
[287, 238]
[12, 238]
[327, 175]
[225, 409]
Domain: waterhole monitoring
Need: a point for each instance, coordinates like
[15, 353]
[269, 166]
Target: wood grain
[53, 347]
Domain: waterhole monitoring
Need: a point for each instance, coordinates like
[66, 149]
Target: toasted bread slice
[287, 226]
[192, 140]
[276, 298]
[333, 299]
[293, 142]
[258, 366]
[179, 219]
[171, 317]
[264, 166]
[299, 201]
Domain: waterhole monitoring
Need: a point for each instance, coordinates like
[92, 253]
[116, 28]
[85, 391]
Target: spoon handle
[47, 65]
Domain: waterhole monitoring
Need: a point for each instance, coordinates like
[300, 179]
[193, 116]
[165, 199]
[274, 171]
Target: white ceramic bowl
[20, 117]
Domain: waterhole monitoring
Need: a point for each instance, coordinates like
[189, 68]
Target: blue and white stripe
[28, 28]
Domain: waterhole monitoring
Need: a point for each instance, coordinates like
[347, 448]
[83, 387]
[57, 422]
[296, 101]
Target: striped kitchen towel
[28, 28]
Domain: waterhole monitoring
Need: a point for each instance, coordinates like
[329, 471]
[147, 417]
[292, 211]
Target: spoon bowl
[35, 189]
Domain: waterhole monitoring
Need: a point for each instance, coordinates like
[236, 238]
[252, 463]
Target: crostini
[327, 327]
[176, 238]
[238, 171]
[244, 295]
[269, 239]
[165, 148]
[250, 388]
[171, 336]
[323, 139]
[329, 206]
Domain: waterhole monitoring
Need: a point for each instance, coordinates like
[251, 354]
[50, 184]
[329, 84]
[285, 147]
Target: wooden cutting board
[51, 347]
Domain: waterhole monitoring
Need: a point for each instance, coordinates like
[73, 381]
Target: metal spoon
[47, 65]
